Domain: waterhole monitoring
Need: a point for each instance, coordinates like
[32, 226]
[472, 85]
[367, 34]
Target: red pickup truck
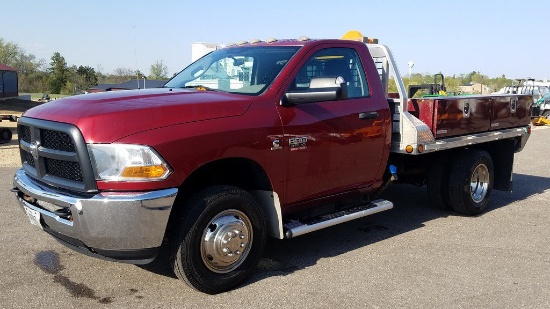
[261, 139]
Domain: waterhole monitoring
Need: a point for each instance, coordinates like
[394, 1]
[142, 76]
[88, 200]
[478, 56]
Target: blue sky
[494, 37]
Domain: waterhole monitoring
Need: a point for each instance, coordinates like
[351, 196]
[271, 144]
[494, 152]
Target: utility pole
[411, 65]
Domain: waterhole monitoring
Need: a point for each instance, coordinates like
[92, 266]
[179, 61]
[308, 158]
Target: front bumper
[122, 226]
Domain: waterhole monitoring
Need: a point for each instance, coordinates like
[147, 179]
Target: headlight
[123, 162]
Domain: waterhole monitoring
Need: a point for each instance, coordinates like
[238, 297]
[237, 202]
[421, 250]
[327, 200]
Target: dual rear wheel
[463, 183]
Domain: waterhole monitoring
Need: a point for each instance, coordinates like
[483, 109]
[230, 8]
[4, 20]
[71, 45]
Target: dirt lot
[16, 106]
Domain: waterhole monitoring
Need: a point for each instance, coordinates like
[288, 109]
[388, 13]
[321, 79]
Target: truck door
[332, 146]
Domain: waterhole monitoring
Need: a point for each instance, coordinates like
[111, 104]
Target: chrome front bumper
[117, 225]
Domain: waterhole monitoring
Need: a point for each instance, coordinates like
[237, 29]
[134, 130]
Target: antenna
[135, 56]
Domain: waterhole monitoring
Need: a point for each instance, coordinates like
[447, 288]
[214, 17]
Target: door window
[335, 62]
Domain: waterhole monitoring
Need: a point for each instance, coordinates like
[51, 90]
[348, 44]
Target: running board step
[296, 228]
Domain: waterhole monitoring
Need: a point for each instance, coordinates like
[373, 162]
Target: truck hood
[109, 116]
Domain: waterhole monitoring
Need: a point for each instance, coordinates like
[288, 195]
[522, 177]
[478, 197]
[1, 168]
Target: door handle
[368, 115]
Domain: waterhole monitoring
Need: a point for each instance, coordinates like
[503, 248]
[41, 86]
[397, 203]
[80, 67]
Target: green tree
[30, 77]
[119, 75]
[79, 79]
[9, 53]
[58, 73]
[158, 70]
[500, 82]
[83, 78]
[453, 82]
[36, 81]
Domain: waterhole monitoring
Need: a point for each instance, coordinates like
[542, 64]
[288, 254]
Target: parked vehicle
[261, 139]
[44, 98]
[5, 133]
[543, 105]
[526, 86]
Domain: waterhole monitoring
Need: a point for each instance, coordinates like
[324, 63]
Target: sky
[494, 37]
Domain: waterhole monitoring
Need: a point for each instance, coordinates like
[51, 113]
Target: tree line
[453, 82]
[35, 75]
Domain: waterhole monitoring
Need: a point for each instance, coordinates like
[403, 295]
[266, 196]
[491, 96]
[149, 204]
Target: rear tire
[220, 239]
[471, 182]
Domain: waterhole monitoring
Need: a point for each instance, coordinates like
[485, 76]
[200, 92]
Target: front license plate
[34, 216]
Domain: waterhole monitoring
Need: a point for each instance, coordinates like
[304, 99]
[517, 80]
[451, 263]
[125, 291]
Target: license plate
[34, 216]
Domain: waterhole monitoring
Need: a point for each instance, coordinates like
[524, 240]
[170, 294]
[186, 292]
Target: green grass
[38, 95]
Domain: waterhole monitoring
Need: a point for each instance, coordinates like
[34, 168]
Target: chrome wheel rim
[479, 183]
[226, 241]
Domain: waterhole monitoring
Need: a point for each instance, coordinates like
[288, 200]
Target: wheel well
[239, 172]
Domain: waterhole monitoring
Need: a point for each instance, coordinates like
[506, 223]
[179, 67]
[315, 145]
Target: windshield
[244, 70]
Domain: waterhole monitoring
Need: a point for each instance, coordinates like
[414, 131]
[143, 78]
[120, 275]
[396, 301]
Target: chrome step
[296, 228]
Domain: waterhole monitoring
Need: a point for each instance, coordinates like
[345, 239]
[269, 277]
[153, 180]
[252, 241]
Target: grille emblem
[34, 150]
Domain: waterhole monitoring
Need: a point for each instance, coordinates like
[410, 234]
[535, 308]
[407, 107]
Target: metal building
[199, 49]
[8, 82]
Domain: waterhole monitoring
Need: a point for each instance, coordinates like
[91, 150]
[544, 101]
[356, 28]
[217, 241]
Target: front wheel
[471, 182]
[220, 241]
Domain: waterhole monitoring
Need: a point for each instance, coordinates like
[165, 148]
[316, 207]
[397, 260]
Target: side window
[342, 62]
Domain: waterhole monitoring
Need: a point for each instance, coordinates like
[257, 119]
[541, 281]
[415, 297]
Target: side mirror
[320, 89]
[237, 62]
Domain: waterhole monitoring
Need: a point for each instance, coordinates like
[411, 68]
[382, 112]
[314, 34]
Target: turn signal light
[409, 149]
[150, 171]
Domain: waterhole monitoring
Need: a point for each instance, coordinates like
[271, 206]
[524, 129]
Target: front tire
[220, 240]
[471, 182]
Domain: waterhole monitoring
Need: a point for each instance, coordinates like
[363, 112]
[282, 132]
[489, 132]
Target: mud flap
[502, 154]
